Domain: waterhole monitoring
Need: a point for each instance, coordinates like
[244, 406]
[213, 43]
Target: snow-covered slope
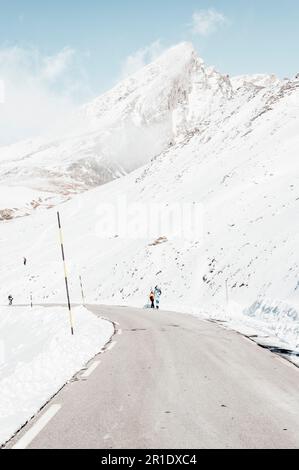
[116, 133]
[234, 152]
[258, 80]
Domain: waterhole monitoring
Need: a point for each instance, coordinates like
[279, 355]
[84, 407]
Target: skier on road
[10, 299]
[158, 294]
[152, 299]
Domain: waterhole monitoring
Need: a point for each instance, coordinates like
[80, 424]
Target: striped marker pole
[31, 301]
[65, 275]
[82, 292]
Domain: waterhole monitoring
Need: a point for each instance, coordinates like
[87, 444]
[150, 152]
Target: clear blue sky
[257, 36]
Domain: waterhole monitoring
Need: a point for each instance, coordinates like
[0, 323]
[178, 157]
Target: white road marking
[286, 362]
[90, 369]
[24, 442]
[111, 346]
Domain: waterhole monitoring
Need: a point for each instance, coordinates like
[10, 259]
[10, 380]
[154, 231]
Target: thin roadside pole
[31, 301]
[82, 291]
[226, 291]
[65, 274]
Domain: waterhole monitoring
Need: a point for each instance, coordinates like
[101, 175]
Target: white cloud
[140, 58]
[39, 91]
[56, 65]
[206, 22]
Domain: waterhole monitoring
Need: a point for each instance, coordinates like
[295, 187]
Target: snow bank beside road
[278, 318]
[38, 356]
[271, 323]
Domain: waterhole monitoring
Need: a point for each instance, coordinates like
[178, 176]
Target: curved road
[172, 381]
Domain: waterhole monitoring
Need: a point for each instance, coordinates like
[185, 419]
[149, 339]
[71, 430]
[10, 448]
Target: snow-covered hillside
[115, 134]
[234, 146]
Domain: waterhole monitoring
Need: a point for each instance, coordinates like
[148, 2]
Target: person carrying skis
[152, 299]
[158, 294]
[10, 299]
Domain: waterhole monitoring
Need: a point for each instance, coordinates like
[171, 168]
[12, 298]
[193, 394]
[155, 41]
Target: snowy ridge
[117, 132]
[258, 80]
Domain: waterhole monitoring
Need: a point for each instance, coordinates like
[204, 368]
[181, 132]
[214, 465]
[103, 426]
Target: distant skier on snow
[25, 261]
[158, 294]
[152, 298]
[10, 299]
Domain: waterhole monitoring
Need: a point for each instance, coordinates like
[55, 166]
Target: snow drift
[38, 356]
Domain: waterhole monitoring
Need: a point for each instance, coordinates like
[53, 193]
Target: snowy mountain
[115, 134]
[228, 145]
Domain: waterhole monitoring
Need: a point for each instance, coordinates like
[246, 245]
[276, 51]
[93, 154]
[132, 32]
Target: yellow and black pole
[82, 292]
[65, 274]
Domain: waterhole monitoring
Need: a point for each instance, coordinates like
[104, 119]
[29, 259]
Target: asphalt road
[172, 381]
